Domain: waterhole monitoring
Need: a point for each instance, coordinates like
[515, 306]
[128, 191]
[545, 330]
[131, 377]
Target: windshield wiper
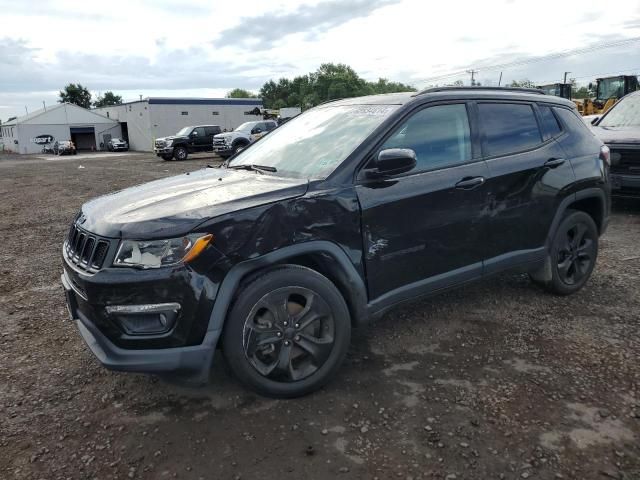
[254, 167]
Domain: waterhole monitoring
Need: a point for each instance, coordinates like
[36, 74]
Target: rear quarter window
[550, 126]
[508, 128]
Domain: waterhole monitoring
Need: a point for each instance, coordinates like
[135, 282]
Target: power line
[527, 61]
[592, 75]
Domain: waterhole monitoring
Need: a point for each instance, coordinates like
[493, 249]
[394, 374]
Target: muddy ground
[496, 380]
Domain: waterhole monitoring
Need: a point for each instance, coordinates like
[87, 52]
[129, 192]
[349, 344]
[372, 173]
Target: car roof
[454, 93]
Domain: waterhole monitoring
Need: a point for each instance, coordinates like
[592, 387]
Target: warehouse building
[145, 120]
[65, 121]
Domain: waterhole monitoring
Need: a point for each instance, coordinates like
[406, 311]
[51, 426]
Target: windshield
[184, 132]
[625, 113]
[116, 139]
[610, 88]
[313, 144]
[245, 127]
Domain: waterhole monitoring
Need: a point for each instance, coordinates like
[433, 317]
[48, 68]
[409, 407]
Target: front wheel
[180, 153]
[287, 332]
[573, 253]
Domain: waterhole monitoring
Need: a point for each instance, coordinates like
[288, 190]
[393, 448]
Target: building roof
[61, 113]
[191, 101]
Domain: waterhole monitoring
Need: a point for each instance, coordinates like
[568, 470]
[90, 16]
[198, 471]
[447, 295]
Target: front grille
[86, 250]
[160, 143]
[219, 142]
[625, 160]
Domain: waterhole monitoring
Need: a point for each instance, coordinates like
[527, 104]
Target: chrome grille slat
[86, 250]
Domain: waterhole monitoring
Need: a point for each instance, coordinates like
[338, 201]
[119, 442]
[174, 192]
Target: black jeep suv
[187, 140]
[340, 214]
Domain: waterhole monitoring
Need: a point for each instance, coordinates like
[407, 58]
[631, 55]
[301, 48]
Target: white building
[145, 120]
[65, 121]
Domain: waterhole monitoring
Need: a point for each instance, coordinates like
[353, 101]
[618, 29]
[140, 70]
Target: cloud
[265, 31]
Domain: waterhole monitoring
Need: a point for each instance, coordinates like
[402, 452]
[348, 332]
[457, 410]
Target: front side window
[199, 131]
[438, 135]
[314, 143]
[626, 113]
[508, 127]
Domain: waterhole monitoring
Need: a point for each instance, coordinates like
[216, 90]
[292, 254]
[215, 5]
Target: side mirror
[256, 130]
[590, 86]
[194, 134]
[595, 120]
[393, 161]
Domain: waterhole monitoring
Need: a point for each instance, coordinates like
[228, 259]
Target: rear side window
[508, 127]
[550, 126]
[571, 120]
[438, 135]
[212, 130]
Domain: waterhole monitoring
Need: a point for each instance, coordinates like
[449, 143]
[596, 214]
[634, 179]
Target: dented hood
[174, 206]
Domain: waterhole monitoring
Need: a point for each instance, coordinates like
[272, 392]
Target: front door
[424, 230]
[200, 141]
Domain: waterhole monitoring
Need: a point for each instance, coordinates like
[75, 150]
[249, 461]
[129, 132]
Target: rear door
[527, 175]
[424, 230]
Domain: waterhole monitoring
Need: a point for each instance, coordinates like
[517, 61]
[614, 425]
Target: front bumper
[115, 148]
[186, 349]
[223, 150]
[625, 185]
[163, 151]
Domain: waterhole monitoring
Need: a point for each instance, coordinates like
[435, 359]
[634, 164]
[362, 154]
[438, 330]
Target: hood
[173, 137]
[613, 135]
[176, 205]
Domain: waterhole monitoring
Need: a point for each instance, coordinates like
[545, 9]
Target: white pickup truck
[228, 143]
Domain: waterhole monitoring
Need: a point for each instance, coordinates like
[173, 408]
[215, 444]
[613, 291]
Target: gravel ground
[495, 380]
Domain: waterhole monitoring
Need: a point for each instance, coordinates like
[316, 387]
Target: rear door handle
[554, 162]
[469, 183]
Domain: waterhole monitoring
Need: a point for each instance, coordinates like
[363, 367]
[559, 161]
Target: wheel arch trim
[587, 193]
[356, 289]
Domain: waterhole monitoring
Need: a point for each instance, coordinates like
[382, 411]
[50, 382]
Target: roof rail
[499, 89]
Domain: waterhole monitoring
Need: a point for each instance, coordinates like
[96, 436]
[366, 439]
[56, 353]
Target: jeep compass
[349, 209]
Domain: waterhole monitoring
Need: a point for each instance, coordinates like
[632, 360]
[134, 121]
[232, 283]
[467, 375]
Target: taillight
[605, 155]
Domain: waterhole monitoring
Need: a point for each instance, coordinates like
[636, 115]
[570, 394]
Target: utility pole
[500, 79]
[44, 105]
[565, 76]
[473, 80]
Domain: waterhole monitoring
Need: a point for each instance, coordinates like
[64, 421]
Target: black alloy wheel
[573, 254]
[181, 153]
[287, 332]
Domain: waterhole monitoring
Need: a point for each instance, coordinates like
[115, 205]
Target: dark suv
[326, 223]
[187, 140]
[619, 129]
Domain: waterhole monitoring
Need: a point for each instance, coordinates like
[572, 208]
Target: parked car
[619, 129]
[229, 143]
[64, 147]
[187, 140]
[342, 213]
[117, 145]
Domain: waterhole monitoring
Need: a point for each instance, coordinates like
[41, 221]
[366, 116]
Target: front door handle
[554, 162]
[469, 183]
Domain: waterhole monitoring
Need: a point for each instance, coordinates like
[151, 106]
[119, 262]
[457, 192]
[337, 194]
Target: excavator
[608, 91]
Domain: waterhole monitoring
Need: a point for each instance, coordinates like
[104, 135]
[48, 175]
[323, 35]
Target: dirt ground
[494, 381]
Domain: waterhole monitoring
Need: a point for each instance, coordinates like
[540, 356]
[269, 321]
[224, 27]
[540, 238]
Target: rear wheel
[287, 332]
[573, 253]
[180, 153]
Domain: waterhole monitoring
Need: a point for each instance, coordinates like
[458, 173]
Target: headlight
[168, 143]
[161, 253]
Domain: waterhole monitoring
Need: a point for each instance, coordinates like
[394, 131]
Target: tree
[109, 98]
[522, 84]
[76, 94]
[240, 93]
[329, 82]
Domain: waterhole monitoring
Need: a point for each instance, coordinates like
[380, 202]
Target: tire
[180, 153]
[276, 321]
[573, 254]
[238, 146]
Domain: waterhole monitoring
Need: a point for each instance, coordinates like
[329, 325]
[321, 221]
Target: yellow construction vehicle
[608, 91]
[557, 89]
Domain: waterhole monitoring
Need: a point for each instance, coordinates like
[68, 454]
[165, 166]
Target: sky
[206, 48]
